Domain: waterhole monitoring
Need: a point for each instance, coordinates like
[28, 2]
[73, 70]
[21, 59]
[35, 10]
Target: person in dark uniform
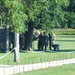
[45, 40]
[50, 41]
[40, 42]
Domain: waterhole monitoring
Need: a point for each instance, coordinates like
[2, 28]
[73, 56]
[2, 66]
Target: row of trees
[41, 14]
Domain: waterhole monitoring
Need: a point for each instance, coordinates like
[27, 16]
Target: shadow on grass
[73, 50]
[24, 51]
[50, 51]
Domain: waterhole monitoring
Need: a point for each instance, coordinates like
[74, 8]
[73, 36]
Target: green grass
[67, 48]
[67, 44]
[36, 57]
[59, 70]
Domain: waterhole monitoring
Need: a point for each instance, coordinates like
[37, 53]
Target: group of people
[45, 40]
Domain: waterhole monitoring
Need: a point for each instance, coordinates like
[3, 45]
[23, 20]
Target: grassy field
[60, 70]
[67, 48]
[66, 42]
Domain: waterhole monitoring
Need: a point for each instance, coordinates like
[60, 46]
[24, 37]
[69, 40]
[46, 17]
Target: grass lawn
[60, 70]
[36, 57]
[67, 44]
[67, 50]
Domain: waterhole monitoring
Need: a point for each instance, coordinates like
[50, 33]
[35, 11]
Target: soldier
[50, 41]
[45, 40]
[40, 42]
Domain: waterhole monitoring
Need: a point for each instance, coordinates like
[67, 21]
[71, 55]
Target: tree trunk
[28, 37]
[7, 38]
[7, 32]
[16, 46]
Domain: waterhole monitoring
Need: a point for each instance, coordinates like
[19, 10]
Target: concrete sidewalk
[8, 69]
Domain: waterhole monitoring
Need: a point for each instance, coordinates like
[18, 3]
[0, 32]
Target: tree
[17, 23]
[43, 14]
[31, 8]
[16, 18]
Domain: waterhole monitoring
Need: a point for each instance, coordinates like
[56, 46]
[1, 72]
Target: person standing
[53, 37]
[45, 40]
[40, 42]
[50, 41]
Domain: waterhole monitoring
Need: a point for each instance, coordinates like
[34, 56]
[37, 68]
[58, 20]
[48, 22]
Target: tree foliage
[44, 14]
[14, 10]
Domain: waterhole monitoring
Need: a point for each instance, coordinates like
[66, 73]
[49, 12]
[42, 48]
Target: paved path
[8, 69]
